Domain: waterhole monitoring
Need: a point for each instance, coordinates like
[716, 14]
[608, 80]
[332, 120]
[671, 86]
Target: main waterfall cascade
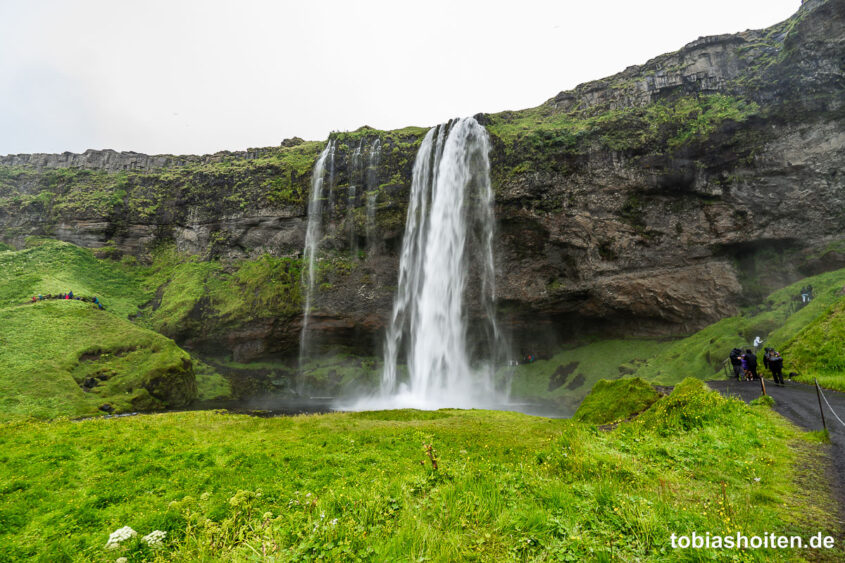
[433, 358]
[447, 250]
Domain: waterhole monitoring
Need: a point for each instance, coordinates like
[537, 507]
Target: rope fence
[828, 405]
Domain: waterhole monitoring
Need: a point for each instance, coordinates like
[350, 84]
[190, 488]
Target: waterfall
[447, 250]
[372, 192]
[356, 174]
[313, 234]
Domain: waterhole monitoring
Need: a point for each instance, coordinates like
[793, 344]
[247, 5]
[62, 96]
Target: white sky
[183, 76]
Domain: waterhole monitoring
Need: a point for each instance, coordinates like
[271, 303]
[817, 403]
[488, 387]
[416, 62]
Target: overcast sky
[179, 76]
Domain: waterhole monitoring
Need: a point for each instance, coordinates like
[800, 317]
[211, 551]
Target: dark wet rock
[561, 374]
[106, 408]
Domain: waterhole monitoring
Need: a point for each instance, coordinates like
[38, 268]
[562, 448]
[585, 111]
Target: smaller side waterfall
[356, 173]
[372, 192]
[313, 234]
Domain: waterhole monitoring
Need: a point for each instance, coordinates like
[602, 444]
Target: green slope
[818, 351]
[780, 321]
[53, 267]
[568, 376]
[50, 349]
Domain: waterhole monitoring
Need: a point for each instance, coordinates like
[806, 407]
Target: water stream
[313, 234]
[446, 271]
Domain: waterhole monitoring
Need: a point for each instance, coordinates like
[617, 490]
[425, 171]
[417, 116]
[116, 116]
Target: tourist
[744, 364]
[752, 363]
[70, 295]
[806, 291]
[736, 362]
[776, 367]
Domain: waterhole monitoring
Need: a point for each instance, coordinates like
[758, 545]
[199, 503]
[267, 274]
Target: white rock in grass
[154, 538]
[119, 536]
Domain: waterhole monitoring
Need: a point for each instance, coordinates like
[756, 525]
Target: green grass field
[360, 486]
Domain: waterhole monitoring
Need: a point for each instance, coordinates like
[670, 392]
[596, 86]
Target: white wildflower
[334, 522]
[121, 560]
[119, 536]
[154, 538]
[756, 479]
[322, 515]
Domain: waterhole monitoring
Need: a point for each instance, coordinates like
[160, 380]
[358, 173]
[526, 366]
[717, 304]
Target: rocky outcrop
[655, 201]
[114, 161]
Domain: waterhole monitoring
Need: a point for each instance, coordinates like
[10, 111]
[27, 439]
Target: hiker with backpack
[752, 363]
[736, 362]
[775, 364]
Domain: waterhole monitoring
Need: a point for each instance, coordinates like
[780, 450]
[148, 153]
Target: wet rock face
[655, 240]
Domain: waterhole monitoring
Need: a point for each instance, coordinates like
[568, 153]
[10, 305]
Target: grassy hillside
[818, 351]
[53, 267]
[361, 486]
[813, 334]
[51, 348]
[568, 376]
[67, 358]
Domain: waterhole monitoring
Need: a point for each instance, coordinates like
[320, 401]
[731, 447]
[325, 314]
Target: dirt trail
[800, 404]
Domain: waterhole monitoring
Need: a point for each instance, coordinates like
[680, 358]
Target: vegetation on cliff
[362, 486]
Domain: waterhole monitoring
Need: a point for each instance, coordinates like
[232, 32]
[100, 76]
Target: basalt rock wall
[652, 202]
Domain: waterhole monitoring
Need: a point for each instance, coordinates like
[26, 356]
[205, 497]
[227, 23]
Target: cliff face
[652, 202]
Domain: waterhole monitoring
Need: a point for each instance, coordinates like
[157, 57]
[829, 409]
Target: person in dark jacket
[776, 366]
[736, 362]
[752, 363]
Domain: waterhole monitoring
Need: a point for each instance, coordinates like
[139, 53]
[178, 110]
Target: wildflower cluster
[119, 536]
[155, 538]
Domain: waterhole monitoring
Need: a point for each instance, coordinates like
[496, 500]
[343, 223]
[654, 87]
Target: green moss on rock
[611, 401]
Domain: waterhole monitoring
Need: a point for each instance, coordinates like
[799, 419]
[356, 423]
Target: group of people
[69, 295]
[744, 364]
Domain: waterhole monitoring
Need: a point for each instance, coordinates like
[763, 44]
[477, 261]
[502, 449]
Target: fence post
[819, 397]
